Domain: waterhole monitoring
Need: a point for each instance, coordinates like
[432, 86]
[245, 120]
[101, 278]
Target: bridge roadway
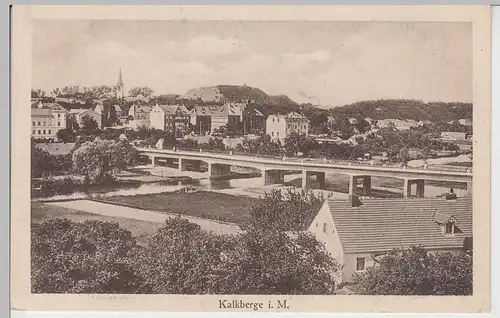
[273, 169]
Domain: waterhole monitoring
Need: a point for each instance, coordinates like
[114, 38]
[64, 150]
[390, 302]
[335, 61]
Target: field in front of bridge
[203, 204]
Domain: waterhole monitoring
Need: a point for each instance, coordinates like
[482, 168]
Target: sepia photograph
[253, 157]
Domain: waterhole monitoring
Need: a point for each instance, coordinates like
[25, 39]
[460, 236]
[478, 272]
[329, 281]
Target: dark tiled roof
[382, 225]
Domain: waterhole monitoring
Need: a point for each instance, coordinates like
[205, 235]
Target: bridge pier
[216, 170]
[420, 187]
[306, 179]
[273, 176]
[367, 185]
[181, 165]
[153, 160]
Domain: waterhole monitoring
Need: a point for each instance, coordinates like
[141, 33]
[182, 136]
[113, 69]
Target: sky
[330, 63]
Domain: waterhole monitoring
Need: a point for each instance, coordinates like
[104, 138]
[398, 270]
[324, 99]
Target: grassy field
[208, 205]
[139, 229]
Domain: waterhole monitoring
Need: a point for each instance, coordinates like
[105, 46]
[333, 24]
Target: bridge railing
[439, 167]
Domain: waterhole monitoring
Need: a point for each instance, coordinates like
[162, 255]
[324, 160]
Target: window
[34, 124]
[39, 132]
[272, 134]
[39, 124]
[277, 134]
[316, 223]
[278, 120]
[273, 119]
[44, 131]
[50, 131]
[324, 227]
[44, 123]
[360, 264]
[34, 132]
[58, 123]
[449, 228]
[58, 115]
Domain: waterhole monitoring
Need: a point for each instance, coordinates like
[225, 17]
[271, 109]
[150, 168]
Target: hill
[406, 109]
[221, 93]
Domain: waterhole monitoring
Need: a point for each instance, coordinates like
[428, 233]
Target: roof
[41, 112]
[207, 110]
[142, 108]
[380, 225]
[57, 148]
[172, 109]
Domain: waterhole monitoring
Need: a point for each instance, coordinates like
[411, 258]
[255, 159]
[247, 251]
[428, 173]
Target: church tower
[120, 89]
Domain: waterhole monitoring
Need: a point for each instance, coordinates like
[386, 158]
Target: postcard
[313, 158]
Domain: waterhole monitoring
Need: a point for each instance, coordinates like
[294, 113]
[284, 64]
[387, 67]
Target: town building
[79, 113]
[357, 232]
[453, 135]
[281, 126]
[173, 118]
[209, 118]
[139, 115]
[47, 119]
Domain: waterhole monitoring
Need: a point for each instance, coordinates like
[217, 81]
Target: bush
[414, 271]
[90, 257]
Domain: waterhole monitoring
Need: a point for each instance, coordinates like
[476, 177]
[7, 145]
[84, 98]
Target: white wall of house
[323, 228]
[157, 118]
[276, 127]
[218, 121]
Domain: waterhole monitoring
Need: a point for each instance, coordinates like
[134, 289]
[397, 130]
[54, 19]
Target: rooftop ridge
[363, 199]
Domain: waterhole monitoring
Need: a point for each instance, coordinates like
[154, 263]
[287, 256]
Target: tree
[415, 271]
[270, 262]
[295, 143]
[99, 160]
[181, 258]
[144, 91]
[89, 257]
[66, 135]
[89, 125]
[37, 93]
[39, 161]
[287, 210]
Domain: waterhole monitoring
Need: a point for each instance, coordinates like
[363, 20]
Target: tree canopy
[99, 160]
[415, 271]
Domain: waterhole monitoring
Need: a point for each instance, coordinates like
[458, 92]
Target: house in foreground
[78, 114]
[357, 232]
[281, 126]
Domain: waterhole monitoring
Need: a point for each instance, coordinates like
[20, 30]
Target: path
[143, 215]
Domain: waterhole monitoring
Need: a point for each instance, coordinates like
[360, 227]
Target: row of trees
[96, 159]
[269, 257]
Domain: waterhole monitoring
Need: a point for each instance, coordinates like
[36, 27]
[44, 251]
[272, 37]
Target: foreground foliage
[181, 258]
[415, 271]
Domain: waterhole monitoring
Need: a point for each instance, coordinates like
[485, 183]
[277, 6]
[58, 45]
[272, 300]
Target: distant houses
[399, 124]
[47, 119]
[172, 118]
[139, 115]
[454, 136]
[207, 119]
[281, 126]
[79, 113]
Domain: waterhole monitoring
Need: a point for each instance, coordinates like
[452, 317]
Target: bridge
[273, 169]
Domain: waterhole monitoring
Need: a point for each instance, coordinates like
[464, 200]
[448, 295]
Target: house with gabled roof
[173, 118]
[357, 232]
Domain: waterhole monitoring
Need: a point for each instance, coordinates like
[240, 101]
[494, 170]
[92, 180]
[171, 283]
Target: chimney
[355, 201]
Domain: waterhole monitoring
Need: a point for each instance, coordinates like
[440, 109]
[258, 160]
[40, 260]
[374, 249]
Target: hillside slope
[406, 109]
[221, 93]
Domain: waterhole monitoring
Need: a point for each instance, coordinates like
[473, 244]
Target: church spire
[120, 89]
[120, 80]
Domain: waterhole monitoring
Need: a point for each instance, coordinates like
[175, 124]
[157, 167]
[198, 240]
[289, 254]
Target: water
[439, 161]
[245, 186]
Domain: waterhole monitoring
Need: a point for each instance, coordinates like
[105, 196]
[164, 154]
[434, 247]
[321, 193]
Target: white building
[281, 126]
[47, 119]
